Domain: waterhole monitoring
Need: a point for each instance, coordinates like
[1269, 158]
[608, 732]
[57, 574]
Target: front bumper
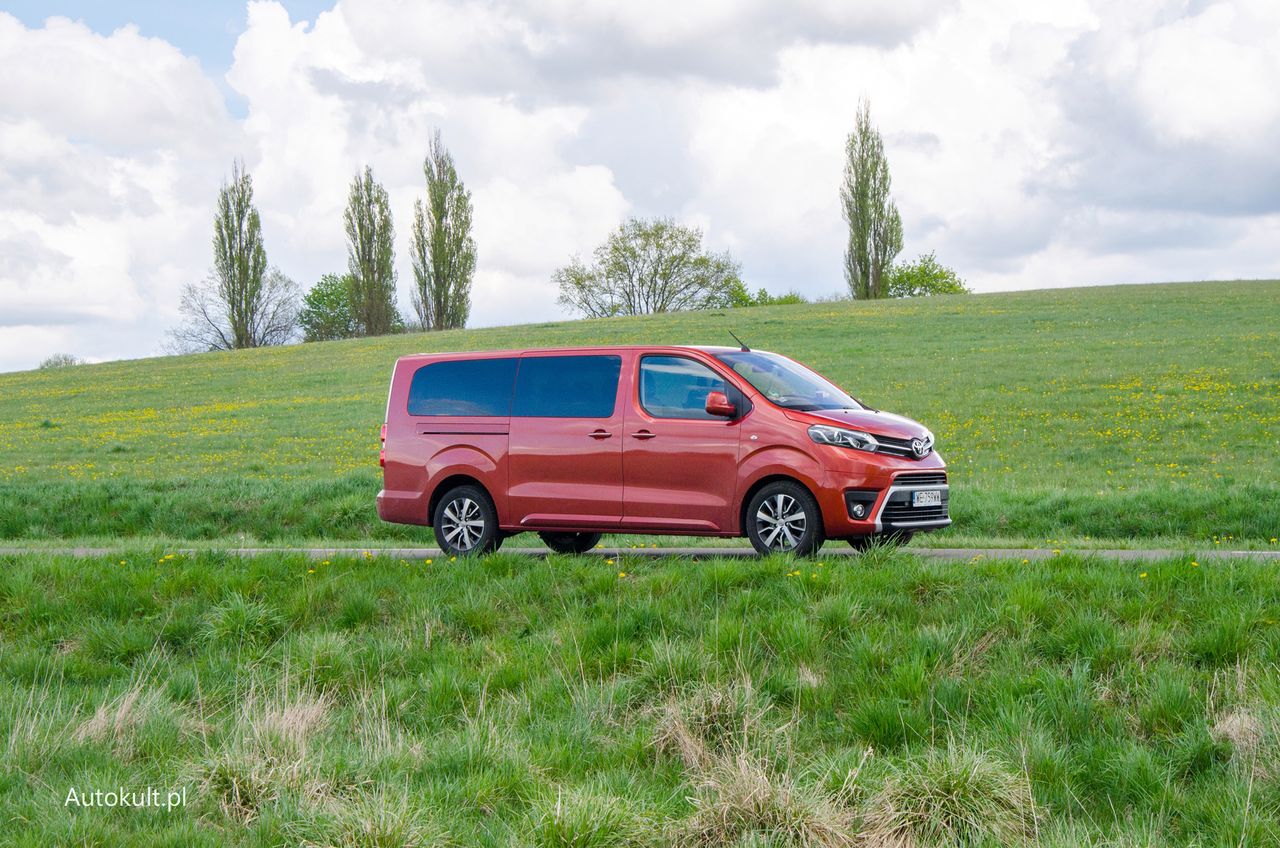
[884, 493]
[896, 511]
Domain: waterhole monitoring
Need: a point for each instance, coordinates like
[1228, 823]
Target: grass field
[884, 701]
[582, 702]
[1132, 414]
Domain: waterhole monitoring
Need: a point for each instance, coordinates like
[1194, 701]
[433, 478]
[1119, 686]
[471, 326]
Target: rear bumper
[402, 507]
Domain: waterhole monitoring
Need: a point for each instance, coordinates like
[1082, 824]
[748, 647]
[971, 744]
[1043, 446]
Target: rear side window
[567, 386]
[463, 387]
[676, 387]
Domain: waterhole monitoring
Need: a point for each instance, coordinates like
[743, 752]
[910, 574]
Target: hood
[867, 420]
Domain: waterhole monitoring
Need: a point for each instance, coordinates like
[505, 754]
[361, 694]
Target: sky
[1032, 144]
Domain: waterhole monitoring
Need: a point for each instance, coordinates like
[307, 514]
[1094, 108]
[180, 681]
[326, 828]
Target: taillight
[382, 450]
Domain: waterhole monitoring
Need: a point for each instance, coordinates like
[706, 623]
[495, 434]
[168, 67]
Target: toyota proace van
[691, 441]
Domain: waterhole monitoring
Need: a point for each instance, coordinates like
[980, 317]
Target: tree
[444, 254]
[875, 228]
[60, 360]
[923, 277]
[762, 297]
[371, 257]
[241, 303]
[326, 310]
[208, 313]
[646, 267]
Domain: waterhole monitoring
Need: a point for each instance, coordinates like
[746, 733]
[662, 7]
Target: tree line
[644, 266]
[245, 302]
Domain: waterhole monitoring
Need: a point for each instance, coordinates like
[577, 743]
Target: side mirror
[719, 404]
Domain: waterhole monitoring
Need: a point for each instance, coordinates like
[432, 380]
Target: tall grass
[504, 701]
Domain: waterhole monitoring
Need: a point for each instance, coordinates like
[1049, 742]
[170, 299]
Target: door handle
[599, 434]
[643, 434]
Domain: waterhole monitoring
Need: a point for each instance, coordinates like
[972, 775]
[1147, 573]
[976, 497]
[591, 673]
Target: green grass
[1134, 414]
[527, 702]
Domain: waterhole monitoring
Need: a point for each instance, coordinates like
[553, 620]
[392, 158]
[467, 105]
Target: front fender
[779, 461]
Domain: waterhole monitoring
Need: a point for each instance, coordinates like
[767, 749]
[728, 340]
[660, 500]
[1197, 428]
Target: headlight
[840, 437]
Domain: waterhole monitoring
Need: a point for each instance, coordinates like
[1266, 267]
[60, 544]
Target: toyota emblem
[920, 448]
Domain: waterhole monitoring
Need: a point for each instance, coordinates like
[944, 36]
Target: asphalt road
[831, 550]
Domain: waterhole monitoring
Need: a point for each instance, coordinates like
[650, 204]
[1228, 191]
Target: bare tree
[371, 257]
[649, 266]
[444, 253]
[208, 324]
[875, 228]
[240, 304]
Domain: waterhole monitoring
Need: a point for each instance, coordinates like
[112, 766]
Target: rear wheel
[466, 523]
[570, 543]
[783, 518]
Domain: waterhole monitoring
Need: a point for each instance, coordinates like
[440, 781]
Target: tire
[800, 531]
[897, 540]
[466, 523]
[570, 543]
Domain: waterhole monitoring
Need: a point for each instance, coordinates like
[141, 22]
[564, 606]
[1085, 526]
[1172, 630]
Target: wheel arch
[447, 485]
[760, 484]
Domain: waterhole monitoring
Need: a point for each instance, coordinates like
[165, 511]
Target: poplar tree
[444, 253]
[875, 228]
[371, 257]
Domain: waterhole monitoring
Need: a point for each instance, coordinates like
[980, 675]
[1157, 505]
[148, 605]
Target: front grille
[921, 478]
[894, 447]
[898, 510]
[894, 513]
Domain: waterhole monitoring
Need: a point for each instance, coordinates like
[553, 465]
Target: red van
[691, 441]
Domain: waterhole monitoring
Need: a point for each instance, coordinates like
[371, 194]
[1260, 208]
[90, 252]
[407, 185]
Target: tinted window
[463, 387]
[675, 387]
[567, 386]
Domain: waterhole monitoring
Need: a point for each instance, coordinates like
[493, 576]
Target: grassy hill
[600, 701]
[1127, 413]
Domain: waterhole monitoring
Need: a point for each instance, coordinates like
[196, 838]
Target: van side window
[676, 387]
[567, 386]
[463, 387]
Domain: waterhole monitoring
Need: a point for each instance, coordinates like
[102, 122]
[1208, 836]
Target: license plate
[926, 498]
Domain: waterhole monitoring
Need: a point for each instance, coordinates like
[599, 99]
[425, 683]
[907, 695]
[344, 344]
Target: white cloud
[1031, 144]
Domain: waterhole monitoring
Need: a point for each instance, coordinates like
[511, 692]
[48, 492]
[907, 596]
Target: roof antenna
[745, 349]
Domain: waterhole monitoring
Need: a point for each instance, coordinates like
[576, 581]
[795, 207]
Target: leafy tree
[371, 257]
[326, 310]
[60, 360]
[923, 277]
[444, 254]
[875, 228]
[241, 304]
[763, 298]
[648, 266]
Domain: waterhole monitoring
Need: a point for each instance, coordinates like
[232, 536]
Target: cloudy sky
[1031, 144]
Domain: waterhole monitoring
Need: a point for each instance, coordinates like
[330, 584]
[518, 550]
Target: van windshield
[786, 383]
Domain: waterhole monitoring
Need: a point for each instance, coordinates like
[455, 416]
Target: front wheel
[783, 518]
[466, 523]
[570, 543]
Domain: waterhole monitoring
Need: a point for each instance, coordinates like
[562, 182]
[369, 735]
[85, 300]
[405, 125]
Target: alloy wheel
[781, 522]
[462, 523]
